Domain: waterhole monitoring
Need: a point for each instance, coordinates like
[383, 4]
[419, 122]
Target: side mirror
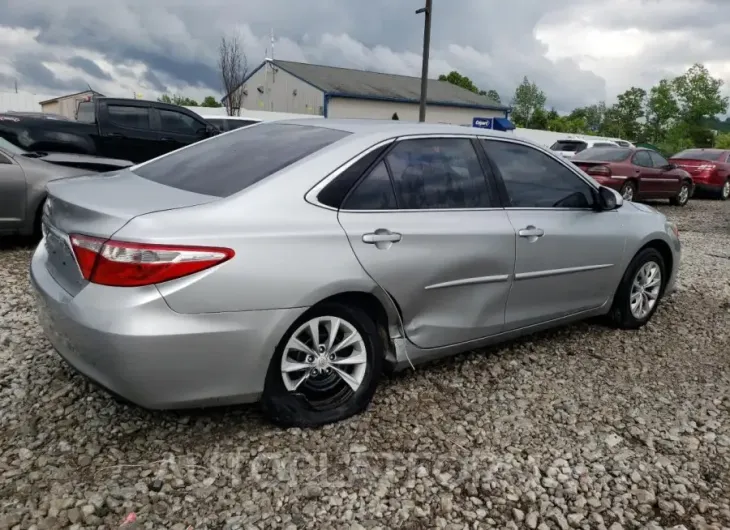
[608, 199]
[670, 167]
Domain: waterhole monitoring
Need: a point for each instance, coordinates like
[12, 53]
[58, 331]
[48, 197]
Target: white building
[21, 101]
[301, 88]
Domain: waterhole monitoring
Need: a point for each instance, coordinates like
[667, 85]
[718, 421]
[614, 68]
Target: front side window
[642, 158]
[437, 173]
[129, 117]
[179, 123]
[658, 160]
[226, 164]
[535, 180]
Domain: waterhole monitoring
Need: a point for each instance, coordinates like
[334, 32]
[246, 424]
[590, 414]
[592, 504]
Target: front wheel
[682, 196]
[640, 289]
[325, 369]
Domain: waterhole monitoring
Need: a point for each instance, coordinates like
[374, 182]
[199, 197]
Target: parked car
[638, 174]
[569, 147]
[221, 274]
[127, 129]
[23, 179]
[710, 170]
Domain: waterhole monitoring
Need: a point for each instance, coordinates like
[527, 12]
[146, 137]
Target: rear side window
[227, 164]
[130, 117]
[86, 112]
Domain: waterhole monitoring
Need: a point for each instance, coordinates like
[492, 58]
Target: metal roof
[361, 84]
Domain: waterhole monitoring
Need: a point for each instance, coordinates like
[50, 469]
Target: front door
[668, 181]
[567, 254]
[12, 194]
[178, 129]
[126, 131]
[426, 228]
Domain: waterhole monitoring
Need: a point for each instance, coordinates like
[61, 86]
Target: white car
[570, 146]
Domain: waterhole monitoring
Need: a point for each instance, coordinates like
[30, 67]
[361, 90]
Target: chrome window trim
[311, 195]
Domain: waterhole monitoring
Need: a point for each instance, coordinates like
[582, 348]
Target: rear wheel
[325, 369]
[725, 191]
[641, 288]
[682, 196]
[628, 190]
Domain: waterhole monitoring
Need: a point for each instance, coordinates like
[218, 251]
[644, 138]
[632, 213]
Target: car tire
[724, 193]
[622, 314]
[682, 197]
[323, 396]
[628, 191]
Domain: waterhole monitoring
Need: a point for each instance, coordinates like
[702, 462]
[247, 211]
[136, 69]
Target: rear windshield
[603, 154]
[569, 145]
[232, 162]
[86, 112]
[698, 154]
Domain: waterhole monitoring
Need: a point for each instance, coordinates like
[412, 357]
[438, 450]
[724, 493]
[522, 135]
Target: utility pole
[426, 47]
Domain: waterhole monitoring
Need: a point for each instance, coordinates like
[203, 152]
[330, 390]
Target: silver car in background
[293, 261]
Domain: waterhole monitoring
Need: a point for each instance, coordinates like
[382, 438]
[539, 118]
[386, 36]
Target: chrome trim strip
[651, 179]
[470, 281]
[560, 272]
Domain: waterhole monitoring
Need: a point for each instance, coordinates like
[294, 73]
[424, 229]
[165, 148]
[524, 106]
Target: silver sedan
[292, 262]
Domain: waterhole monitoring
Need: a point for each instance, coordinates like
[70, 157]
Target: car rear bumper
[131, 343]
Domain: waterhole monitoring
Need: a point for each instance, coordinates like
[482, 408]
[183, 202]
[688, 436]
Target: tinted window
[569, 145]
[86, 112]
[11, 147]
[132, 117]
[437, 173]
[657, 159]
[177, 122]
[698, 154]
[225, 125]
[535, 180]
[227, 164]
[335, 192]
[622, 143]
[4, 159]
[603, 154]
[642, 158]
[375, 192]
[603, 144]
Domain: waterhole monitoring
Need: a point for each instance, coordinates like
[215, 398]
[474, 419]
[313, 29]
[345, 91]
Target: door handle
[167, 139]
[384, 236]
[531, 231]
[115, 135]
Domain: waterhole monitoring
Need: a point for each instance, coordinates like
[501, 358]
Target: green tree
[627, 112]
[698, 94]
[177, 99]
[494, 96]
[455, 78]
[722, 141]
[211, 102]
[661, 110]
[527, 100]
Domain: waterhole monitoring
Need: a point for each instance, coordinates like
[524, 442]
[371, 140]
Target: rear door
[668, 181]
[12, 194]
[648, 185]
[178, 129]
[426, 226]
[568, 255]
[126, 130]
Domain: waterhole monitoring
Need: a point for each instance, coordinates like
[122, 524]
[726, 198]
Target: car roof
[396, 127]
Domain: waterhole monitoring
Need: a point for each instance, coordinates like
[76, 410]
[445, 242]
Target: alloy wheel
[645, 290]
[683, 196]
[628, 193]
[726, 190]
[325, 359]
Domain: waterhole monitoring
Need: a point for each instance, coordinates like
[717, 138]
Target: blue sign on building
[482, 123]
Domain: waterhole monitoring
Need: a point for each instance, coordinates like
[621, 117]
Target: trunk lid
[99, 205]
[693, 167]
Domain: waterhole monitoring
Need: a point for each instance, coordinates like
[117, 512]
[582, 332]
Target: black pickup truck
[127, 129]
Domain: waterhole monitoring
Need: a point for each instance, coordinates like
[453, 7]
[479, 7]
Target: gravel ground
[584, 427]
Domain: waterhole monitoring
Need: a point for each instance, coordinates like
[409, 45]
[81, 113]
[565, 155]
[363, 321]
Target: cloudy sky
[577, 51]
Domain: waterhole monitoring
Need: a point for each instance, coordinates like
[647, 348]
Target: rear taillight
[706, 167]
[125, 264]
[599, 171]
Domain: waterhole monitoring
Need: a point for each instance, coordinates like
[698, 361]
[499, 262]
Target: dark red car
[710, 170]
[637, 173]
